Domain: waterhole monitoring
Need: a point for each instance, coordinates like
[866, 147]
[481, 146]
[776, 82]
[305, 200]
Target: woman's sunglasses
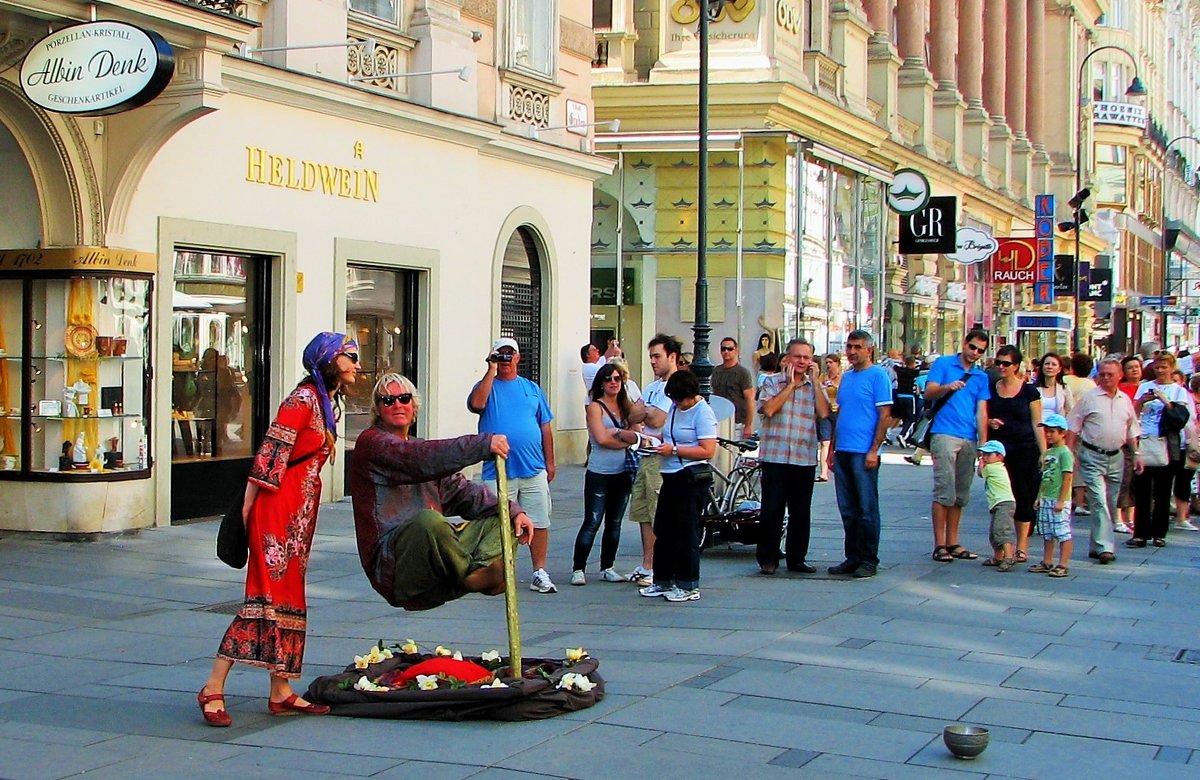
[352, 355]
[388, 400]
[1003, 363]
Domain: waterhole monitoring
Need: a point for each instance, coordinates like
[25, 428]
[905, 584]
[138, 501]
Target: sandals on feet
[960, 552]
[1006, 565]
[1021, 557]
[941, 554]
[1059, 571]
[1041, 567]
[1159, 542]
[990, 562]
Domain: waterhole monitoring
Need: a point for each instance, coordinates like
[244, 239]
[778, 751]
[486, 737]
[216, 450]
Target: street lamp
[1166, 244]
[701, 366]
[1136, 89]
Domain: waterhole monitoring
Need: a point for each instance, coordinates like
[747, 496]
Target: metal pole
[509, 544]
[702, 367]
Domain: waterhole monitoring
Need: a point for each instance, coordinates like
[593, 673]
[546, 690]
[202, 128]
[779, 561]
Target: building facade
[814, 106]
[389, 169]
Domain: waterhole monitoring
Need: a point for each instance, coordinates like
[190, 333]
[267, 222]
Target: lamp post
[1136, 89]
[701, 366]
[1166, 245]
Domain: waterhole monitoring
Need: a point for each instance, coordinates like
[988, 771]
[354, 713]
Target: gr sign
[932, 230]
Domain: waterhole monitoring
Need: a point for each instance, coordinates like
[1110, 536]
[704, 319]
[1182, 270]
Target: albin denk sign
[97, 68]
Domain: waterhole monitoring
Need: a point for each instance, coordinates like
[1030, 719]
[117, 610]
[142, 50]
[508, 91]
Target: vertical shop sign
[1064, 272]
[1043, 231]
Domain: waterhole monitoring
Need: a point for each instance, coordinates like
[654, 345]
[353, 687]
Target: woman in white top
[1152, 488]
[689, 441]
[1056, 398]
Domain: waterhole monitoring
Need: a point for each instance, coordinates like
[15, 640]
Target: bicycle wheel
[746, 487]
[711, 511]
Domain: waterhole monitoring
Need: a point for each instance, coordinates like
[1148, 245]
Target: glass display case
[75, 377]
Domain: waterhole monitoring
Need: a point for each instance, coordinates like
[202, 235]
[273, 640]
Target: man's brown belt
[1094, 448]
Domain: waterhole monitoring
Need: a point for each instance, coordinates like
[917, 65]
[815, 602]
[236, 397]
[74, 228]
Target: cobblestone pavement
[103, 646]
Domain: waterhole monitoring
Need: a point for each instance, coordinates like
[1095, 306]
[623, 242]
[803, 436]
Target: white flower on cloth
[575, 681]
[439, 650]
[364, 684]
[409, 647]
[491, 656]
[496, 683]
[373, 656]
[427, 682]
[360, 662]
[457, 656]
[576, 654]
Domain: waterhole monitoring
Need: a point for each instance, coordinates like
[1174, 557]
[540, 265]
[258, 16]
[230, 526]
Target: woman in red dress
[280, 510]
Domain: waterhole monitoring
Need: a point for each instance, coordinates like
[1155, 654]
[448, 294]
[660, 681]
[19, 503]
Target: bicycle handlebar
[742, 445]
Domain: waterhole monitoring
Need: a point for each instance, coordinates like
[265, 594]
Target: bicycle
[734, 503]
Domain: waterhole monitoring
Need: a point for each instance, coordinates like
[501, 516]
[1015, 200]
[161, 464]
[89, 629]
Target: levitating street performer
[426, 534]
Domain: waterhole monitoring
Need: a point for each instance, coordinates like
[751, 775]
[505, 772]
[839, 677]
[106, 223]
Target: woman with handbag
[280, 512]
[689, 441]
[1163, 408]
[611, 467]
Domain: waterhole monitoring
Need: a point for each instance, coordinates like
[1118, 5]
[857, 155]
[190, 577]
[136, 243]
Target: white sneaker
[1186, 525]
[682, 594]
[1121, 528]
[577, 577]
[654, 591]
[643, 578]
[541, 582]
[610, 575]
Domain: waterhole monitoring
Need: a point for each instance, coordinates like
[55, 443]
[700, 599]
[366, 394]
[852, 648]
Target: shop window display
[74, 378]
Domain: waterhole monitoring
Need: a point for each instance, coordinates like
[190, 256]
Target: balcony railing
[230, 7]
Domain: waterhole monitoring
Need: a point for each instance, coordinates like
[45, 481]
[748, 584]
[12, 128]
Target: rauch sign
[97, 68]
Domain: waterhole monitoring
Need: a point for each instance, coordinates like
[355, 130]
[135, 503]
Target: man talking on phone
[790, 404]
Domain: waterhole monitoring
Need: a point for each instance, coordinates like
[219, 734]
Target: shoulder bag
[633, 460]
[233, 541]
[923, 431]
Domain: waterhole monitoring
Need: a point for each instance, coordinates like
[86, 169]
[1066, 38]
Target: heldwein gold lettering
[273, 170]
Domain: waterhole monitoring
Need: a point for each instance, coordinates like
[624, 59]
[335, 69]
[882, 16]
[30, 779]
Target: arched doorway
[521, 300]
[22, 224]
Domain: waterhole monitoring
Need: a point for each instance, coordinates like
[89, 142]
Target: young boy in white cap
[1054, 500]
[1001, 503]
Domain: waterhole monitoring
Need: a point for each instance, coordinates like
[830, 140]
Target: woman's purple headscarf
[322, 350]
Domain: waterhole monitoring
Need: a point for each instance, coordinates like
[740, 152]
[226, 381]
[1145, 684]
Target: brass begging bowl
[965, 742]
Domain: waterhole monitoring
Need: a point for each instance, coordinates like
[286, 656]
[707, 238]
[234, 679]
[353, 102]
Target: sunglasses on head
[1004, 363]
[352, 355]
[388, 400]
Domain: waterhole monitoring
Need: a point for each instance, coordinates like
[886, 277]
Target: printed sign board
[932, 230]
[1015, 262]
[97, 68]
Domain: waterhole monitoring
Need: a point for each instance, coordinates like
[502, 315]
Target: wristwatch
[675, 450]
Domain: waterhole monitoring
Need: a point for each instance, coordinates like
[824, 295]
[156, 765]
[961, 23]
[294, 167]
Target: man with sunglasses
[960, 424]
[733, 381]
[516, 407]
[404, 489]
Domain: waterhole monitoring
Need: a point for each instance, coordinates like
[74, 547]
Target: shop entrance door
[382, 314]
[219, 376]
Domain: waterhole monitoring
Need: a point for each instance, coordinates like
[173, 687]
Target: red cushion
[464, 671]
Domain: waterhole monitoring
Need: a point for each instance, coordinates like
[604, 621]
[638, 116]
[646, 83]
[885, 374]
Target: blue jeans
[858, 501]
[604, 498]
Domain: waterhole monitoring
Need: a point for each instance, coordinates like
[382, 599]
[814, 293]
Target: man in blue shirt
[865, 404]
[958, 427]
[516, 407]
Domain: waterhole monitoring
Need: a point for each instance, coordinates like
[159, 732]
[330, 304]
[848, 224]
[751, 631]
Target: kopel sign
[97, 68]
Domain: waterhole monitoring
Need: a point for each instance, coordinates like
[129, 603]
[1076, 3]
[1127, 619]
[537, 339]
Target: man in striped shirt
[790, 404]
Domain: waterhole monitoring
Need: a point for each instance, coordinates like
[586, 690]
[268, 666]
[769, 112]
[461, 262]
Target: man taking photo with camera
[516, 407]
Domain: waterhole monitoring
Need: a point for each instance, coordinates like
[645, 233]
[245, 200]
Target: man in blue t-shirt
[516, 407]
[864, 412]
[958, 427]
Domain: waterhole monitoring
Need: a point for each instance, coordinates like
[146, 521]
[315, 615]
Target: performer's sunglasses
[1005, 363]
[388, 400]
[352, 355]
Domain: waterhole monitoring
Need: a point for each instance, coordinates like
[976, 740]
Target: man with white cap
[516, 407]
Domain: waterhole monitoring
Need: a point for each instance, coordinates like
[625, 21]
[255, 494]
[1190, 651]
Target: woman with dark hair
[1164, 414]
[1014, 414]
[1056, 398]
[280, 512]
[607, 481]
[766, 346]
[689, 440]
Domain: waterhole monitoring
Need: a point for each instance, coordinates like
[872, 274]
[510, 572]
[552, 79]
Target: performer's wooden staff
[509, 541]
